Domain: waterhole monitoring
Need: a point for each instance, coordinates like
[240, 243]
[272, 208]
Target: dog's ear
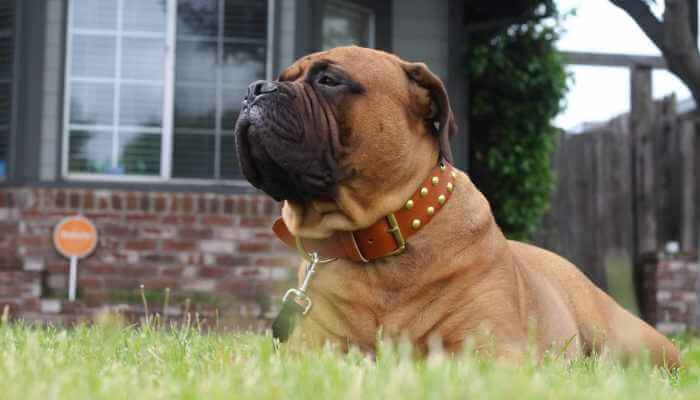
[440, 113]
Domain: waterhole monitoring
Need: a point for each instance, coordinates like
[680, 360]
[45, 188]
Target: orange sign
[75, 237]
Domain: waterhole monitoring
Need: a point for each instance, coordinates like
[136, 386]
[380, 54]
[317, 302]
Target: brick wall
[213, 251]
[672, 292]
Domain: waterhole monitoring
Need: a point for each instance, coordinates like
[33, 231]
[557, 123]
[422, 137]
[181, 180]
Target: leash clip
[300, 296]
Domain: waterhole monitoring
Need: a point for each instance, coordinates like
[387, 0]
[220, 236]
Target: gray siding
[420, 33]
[52, 91]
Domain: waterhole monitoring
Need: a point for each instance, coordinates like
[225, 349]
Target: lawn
[109, 361]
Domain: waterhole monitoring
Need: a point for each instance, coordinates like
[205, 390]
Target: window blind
[7, 14]
[221, 48]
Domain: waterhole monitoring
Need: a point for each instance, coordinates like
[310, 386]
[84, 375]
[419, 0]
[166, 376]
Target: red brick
[33, 241]
[195, 233]
[217, 220]
[116, 201]
[229, 260]
[57, 268]
[140, 245]
[103, 216]
[161, 282]
[103, 203]
[253, 247]
[186, 204]
[101, 269]
[74, 200]
[60, 199]
[213, 272]
[201, 205]
[88, 200]
[115, 230]
[159, 258]
[132, 202]
[275, 262]
[159, 204]
[90, 282]
[229, 205]
[214, 205]
[179, 245]
[145, 202]
[8, 228]
[250, 222]
[141, 218]
[173, 272]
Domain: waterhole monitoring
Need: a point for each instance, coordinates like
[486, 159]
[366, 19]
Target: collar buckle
[395, 231]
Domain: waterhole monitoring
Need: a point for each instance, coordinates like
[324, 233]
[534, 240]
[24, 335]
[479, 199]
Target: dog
[355, 142]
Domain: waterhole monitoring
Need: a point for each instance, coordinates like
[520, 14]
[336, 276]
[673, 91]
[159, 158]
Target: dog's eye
[326, 80]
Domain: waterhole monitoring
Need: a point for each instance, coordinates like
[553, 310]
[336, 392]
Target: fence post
[642, 171]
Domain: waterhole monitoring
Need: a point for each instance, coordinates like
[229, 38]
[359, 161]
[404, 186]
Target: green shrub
[517, 83]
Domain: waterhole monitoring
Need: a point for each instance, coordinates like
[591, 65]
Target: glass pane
[5, 107]
[95, 14]
[141, 105]
[243, 63]
[143, 58]
[139, 153]
[92, 103]
[245, 19]
[4, 149]
[229, 161]
[193, 155]
[90, 151]
[6, 62]
[195, 107]
[197, 17]
[344, 24]
[145, 15]
[93, 56]
[195, 61]
[5, 104]
[232, 106]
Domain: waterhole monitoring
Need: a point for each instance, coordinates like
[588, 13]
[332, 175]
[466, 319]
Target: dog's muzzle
[282, 141]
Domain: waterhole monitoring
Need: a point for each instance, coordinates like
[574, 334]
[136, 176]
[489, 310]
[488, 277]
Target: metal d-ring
[309, 256]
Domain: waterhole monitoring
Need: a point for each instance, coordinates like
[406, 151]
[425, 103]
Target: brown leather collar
[386, 237]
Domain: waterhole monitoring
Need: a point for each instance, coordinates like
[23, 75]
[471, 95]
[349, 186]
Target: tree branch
[642, 15]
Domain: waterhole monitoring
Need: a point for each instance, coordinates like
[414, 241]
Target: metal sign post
[75, 238]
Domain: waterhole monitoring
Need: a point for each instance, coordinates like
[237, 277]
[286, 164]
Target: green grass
[112, 362]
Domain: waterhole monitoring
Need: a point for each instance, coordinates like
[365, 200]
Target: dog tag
[286, 320]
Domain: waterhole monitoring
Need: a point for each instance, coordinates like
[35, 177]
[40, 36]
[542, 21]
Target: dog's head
[343, 136]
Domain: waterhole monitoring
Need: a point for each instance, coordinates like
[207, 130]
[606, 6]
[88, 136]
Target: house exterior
[123, 111]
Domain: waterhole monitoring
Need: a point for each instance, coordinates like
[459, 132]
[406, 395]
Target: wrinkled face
[347, 117]
[289, 136]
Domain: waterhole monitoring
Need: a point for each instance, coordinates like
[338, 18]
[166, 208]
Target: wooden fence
[625, 189]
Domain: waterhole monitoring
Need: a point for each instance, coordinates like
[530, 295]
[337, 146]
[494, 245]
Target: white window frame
[167, 128]
[372, 37]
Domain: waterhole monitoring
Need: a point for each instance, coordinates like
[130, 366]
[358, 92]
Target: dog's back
[602, 324]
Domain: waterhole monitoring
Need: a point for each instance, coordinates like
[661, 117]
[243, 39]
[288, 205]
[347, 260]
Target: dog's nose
[261, 88]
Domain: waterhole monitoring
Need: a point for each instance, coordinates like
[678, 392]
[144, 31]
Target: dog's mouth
[283, 144]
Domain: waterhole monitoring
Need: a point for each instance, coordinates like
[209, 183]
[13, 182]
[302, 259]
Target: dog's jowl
[356, 143]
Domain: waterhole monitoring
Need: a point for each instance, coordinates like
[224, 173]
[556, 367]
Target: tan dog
[345, 137]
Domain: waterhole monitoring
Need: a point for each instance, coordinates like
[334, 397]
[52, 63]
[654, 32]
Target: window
[7, 15]
[154, 86]
[344, 23]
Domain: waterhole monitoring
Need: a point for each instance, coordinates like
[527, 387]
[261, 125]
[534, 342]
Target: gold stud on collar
[454, 174]
[430, 210]
[423, 192]
[441, 199]
[450, 187]
[415, 224]
[435, 180]
[442, 166]
[409, 204]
